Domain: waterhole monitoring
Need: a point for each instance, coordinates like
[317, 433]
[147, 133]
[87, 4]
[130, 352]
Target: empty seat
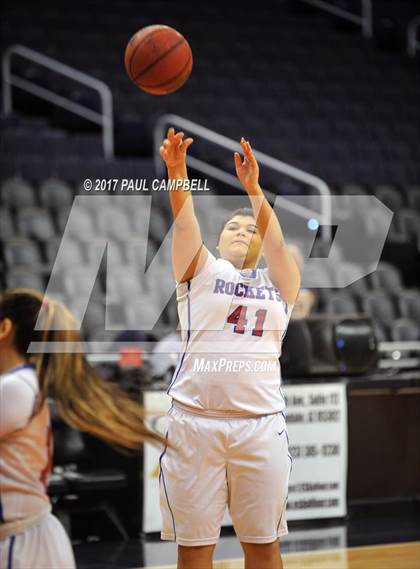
[17, 193]
[96, 248]
[81, 224]
[142, 314]
[409, 304]
[93, 318]
[388, 277]
[413, 195]
[391, 197]
[314, 277]
[405, 330]
[70, 254]
[379, 306]
[380, 332]
[158, 225]
[113, 222]
[56, 194]
[340, 303]
[124, 284]
[7, 228]
[35, 223]
[138, 250]
[22, 277]
[79, 282]
[409, 223]
[345, 272]
[22, 252]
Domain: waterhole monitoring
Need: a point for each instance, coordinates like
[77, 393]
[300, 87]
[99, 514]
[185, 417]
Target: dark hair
[84, 400]
[244, 211]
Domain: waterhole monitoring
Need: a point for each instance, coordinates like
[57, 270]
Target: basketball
[158, 59]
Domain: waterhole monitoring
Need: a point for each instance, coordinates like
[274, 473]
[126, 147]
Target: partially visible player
[226, 427]
[30, 536]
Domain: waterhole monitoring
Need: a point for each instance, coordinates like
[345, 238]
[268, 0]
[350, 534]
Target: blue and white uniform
[227, 427]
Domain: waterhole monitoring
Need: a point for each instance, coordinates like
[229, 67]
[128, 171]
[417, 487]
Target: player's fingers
[171, 132]
[250, 154]
[237, 159]
[162, 152]
[244, 147]
[247, 148]
[187, 143]
[166, 143]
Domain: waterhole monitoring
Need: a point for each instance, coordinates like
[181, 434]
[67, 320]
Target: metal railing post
[104, 119]
[264, 159]
[367, 18]
[364, 21]
[413, 44]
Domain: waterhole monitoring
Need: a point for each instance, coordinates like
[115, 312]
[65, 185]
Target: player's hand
[247, 170]
[174, 148]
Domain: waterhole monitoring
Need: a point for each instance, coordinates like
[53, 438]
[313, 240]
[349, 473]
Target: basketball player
[30, 536]
[226, 426]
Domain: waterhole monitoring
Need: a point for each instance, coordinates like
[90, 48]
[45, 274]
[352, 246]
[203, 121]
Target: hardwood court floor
[390, 556]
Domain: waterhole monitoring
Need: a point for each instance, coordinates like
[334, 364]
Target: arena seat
[387, 277]
[390, 196]
[22, 277]
[20, 251]
[349, 271]
[94, 317]
[113, 222]
[82, 226]
[71, 253]
[35, 223]
[17, 193]
[92, 487]
[140, 312]
[381, 332]
[409, 223]
[138, 250]
[413, 196]
[405, 330]
[409, 304]
[77, 281]
[124, 284]
[379, 306]
[56, 194]
[340, 302]
[7, 226]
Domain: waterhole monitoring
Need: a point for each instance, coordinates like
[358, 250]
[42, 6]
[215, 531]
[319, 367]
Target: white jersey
[232, 323]
[25, 450]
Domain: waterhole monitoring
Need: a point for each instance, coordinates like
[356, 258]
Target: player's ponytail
[84, 400]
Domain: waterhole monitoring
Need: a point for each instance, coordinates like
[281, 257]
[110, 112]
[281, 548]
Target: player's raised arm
[188, 252]
[282, 267]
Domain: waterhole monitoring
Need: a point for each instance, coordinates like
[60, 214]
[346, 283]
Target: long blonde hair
[84, 400]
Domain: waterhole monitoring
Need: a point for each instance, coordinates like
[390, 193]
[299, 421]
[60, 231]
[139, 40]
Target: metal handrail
[364, 21]
[104, 119]
[219, 174]
[413, 44]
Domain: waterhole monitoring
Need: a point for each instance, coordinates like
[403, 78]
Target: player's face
[240, 242]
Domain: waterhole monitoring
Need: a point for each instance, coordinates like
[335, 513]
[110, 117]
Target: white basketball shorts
[45, 546]
[213, 463]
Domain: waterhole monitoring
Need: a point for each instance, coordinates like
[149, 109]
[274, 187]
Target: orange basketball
[158, 59]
